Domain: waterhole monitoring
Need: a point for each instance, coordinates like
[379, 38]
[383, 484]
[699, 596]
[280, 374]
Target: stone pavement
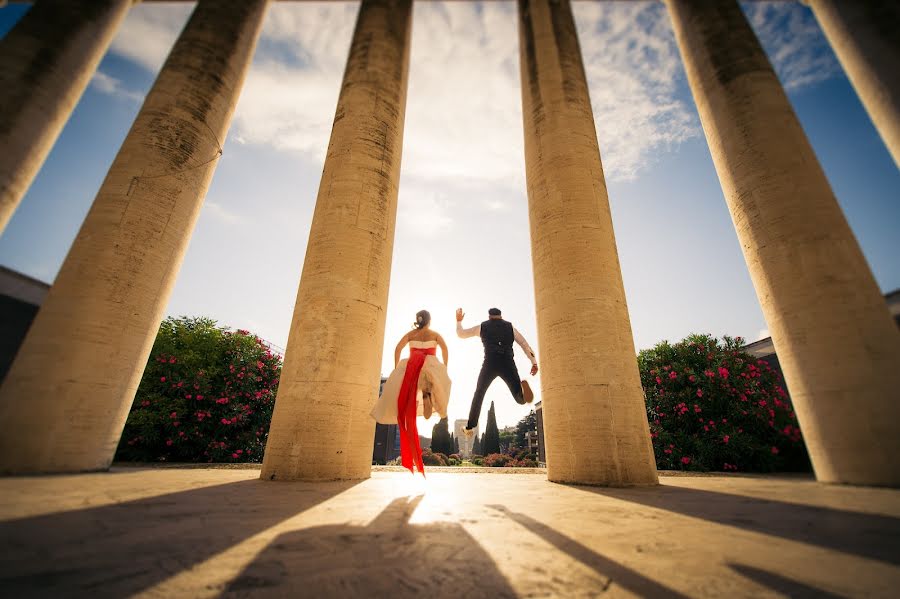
[221, 532]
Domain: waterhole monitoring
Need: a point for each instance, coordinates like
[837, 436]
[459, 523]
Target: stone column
[46, 62]
[65, 400]
[864, 36]
[837, 344]
[321, 428]
[595, 422]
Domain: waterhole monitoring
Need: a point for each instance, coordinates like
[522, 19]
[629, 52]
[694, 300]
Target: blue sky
[462, 235]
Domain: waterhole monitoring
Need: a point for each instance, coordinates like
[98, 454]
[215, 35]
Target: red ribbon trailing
[410, 450]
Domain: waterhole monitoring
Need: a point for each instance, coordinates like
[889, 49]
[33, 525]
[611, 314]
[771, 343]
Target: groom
[497, 336]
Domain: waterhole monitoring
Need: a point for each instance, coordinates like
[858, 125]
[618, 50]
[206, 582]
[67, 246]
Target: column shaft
[595, 420]
[321, 428]
[46, 62]
[865, 36]
[835, 339]
[66, 397]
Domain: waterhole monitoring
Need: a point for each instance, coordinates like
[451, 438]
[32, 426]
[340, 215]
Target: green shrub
[433, 459]
[712, 406]
[477, 460]
[206, 396]
[497, 460]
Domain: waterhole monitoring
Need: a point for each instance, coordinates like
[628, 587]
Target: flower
[699, 393]
[774, 451]
[162, 379]
[725, 439]
[685, 460]
[673, 375]
[169, 442]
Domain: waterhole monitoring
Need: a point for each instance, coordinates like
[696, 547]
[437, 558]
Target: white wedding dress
[433, 379]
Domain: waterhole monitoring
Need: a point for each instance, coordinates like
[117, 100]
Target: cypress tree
[455, 445]
[491, 441]
[440, 438]
[476, 446]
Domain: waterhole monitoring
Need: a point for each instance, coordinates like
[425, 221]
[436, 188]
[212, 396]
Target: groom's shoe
[527, 392]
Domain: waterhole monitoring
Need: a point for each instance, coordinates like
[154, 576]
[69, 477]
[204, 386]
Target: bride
[418, 386]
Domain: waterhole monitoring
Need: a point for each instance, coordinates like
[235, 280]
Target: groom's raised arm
[524, 345]
[466, 333]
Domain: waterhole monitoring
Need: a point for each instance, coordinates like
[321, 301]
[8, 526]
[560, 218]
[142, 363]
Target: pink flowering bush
[206, 396]
[712, 406]
[434, 459]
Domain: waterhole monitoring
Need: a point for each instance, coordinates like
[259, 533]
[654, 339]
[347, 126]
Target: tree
[440, 438]
[491, 441]
[712, 406]
[206, 395]
[456, 446]
[476, 446]
[525, 425]
[507, 442]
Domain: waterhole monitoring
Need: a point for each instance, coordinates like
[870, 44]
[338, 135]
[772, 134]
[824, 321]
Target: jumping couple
[420, 386]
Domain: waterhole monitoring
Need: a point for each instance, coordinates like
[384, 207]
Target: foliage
[206, 395]
[490, 443]
[441, 440]
[712, 406]
[502, 460]
[525, 425]
[478, 461]
[455, 445]
[476, 446]
[430, 458]
[507, 442]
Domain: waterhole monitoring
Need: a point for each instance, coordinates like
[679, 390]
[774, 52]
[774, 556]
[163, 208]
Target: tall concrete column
[46, 62]
[864, 36]
[68, 393]
[595, 422]
[321, 428]
[837, 344]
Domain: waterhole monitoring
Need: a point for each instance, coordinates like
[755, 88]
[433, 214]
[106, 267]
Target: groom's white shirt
[476, 332]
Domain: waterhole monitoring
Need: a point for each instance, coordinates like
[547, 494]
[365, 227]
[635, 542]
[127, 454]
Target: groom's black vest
[497, 337]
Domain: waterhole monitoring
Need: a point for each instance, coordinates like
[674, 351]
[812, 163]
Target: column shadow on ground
[120, 549]
[872, 536]
[781, 584]
[617, 574]
[389, 557]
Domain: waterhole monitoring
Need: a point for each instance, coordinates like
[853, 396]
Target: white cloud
[110, 85]
[424, 213]
[794, 42]
[633, 68]
[149, 31]
[221, 213]
[463, 122]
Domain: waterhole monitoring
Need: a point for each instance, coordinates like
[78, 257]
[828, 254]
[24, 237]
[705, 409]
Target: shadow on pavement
[781, 584]
[386, 558]
[867, 535]
[617, 574]
[120, 549]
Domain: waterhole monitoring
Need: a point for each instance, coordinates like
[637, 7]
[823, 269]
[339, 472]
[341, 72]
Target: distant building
[539, 413]
[20, 298]
[465, 443]
[532, 442]
[387, 439]
[764, 349]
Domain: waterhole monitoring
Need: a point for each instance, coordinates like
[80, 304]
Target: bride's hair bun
[423, 317]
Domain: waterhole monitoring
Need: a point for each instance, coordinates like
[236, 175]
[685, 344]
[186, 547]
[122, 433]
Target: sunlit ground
[209, 533]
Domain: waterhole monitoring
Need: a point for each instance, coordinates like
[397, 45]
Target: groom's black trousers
[495, 365]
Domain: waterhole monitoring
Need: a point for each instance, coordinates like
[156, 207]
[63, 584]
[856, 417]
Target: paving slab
[203, 532]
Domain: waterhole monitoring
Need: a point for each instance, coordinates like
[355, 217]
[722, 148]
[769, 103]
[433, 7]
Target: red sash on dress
[410, 450]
